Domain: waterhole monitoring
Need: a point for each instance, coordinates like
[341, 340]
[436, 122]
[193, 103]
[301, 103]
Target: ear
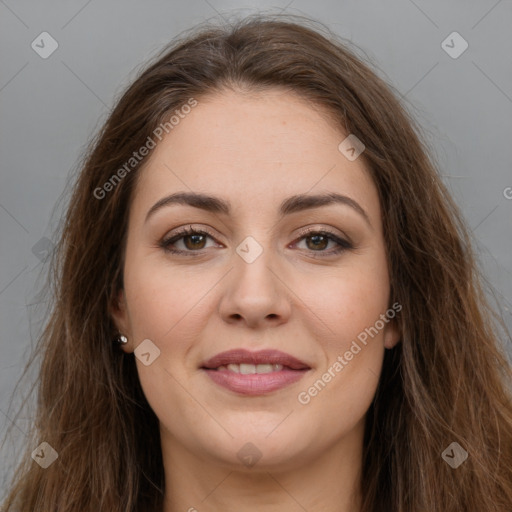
[392, 334]
[119, 313]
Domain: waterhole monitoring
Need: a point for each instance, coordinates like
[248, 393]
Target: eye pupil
[195, 237]
[317, 237]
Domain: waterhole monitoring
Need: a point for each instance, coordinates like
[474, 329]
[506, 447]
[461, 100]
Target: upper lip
[242, 356]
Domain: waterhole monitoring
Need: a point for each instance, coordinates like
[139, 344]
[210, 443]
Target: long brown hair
[446, 381]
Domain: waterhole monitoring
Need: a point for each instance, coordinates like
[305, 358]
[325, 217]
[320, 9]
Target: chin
[260, 448]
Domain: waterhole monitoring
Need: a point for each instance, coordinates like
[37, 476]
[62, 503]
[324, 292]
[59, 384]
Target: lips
[254, 373]
[243, 358]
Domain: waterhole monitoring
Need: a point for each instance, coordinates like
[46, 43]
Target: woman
[266, 300]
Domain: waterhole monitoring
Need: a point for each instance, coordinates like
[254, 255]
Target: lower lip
[255, 383]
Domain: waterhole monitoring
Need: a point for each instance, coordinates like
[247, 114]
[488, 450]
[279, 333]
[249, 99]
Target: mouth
[254, 373]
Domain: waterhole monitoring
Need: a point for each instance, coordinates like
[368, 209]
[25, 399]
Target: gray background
[51, 107]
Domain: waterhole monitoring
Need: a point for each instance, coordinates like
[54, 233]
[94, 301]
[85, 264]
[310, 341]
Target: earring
[122, 340]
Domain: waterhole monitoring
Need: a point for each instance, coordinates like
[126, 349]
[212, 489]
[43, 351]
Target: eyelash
[165, 243]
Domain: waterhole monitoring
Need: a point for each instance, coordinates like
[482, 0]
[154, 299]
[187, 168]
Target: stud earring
[122, 340]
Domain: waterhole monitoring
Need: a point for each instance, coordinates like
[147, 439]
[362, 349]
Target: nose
[255, 293]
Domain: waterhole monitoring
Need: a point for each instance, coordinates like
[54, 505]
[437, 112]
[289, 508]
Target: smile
[254, 373]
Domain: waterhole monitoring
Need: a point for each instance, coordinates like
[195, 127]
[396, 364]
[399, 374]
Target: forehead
[254, 149]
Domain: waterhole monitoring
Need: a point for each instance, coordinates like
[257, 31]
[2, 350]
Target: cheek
[165, 307]
[348, 307]
[347, 301]
[161, 298]
[346, 381]
[171, 307]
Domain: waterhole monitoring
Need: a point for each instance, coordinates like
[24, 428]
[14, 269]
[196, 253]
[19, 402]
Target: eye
[317, 241]
[194, 241]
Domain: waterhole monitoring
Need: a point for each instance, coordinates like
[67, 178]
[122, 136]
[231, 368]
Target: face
[297, 288]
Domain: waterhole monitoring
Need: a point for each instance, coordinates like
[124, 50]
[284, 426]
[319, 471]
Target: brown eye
[192, 241]
[196, 241]
[318, 241]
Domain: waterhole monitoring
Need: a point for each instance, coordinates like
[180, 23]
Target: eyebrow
[290, 205]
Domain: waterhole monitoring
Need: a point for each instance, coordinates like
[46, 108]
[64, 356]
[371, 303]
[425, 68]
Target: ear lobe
[391, 334]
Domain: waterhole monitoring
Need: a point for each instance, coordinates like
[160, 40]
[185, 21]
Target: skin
[254, 150]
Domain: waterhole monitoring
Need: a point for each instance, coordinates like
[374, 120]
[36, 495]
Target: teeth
[264, 368]
[249, 369]
[246, 369]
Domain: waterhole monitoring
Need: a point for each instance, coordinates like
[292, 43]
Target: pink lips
[257, 383]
